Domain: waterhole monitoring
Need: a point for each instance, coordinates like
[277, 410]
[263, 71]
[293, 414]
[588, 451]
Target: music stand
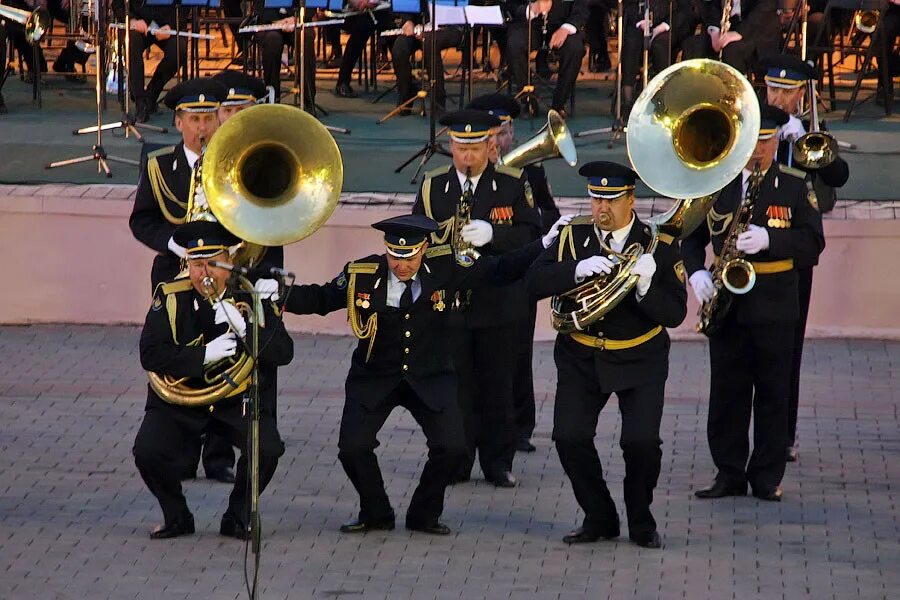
[194, 43]
[402, 7]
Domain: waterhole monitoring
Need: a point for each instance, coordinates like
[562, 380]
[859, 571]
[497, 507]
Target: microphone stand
[618, 128]
[432, 146]
[98, 153]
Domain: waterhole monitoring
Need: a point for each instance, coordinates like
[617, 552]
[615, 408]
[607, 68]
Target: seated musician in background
[3, 66]
[404, 50]
[890, 29]
[243, 91]
[665, 41]
[272, 44]
[595, 30]
[70, 55]
[398, 305]
[626, 353]
[751, 340]
[753, 32]
[195, 329]
[787, 79]
[506, 108]
[360, 27]
[174, 49]
[556, 24]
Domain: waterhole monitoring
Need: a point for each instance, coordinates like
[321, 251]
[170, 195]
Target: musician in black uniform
[399, 305]
[626, 353]
[174, 49]
[563, 21]
[507, 109]
[4, 72]
[360, 27]
[190, 333]
[272, 44]
[404, 49]
[751, 350]
[786, 82]
[754, 32]
[485, 325]
[243, 91]
[667, 33]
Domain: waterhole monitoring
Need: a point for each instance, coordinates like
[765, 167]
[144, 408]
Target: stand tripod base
[407, 104]
[426, 152]
[618, 131]
[100, 155]
[130, 126]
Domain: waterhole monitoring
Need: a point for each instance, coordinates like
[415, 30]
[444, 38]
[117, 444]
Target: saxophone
[466, 255]
[732, 273]
[725, 22]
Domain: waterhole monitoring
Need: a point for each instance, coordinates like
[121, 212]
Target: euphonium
[731, 272]
[271, 175]
[690, 132]
[465, 253]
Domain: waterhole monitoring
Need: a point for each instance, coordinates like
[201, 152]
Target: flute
[417, 31]
[287, 27]
[154, 30]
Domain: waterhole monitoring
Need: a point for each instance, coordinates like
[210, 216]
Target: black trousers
[579, 400]
[596, 27]
[174, 54]
[163, 439]
[570, 56]
[271, 45]
[484, 360]
[358, 439]
[750, 374]
[360, 28]
[804, 287]
[403, 52]
[523, 378]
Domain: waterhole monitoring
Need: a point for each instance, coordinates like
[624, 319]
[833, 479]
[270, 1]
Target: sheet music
[484, 15]
[449, 15]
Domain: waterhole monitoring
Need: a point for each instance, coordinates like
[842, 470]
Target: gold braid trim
[442, 250]
[713, 217]
[446, 225]
[162, 191]
[566, 236]
[360, 330]
[171, 309]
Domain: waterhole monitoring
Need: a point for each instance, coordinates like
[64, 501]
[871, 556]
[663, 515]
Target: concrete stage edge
[69, 257]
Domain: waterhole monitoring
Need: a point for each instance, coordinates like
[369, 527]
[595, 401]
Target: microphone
[257, 271]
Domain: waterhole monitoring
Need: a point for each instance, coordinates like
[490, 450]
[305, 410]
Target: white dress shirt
[619, 236]
[462, 180]
[396, 288]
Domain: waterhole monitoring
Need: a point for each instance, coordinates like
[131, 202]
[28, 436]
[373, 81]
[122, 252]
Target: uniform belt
[607, 344]
[775, 266]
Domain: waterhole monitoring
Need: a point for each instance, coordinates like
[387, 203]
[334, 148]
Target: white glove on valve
[702, 285]
[753, 241]
[478, 233]
[220, 348]
[554, 230]
[645, 267]
[592, 266]
[229, 314]
[267, 289]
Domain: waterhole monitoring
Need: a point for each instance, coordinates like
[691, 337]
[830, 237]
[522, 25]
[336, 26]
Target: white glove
[661, 28]
[645, 267]
[478, 233]
[176, 249]
[267, 289]
[554, 230]
[592, 266]
[753, 241]
[222, 347]
[229, 314]
[703, 286]
[791, 130]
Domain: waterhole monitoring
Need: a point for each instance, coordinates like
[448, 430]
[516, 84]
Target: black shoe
[223, 475]
[435, 528]
[769, 495]
[503, 479]
[647, 540]
[231, 526]
[142, 115]
[791, 454]
[343, 90]
[359, 526]
[183, 526]
[589, 536]
[599, 64]
[721, 489]
[524, 445]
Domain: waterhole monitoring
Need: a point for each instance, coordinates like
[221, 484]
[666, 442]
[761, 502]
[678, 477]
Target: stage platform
[30, 137]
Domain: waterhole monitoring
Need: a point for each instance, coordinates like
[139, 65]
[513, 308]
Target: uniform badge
[779, 217]
[437, 301]
[501, 215]
[529, 195]
[362, 300]
[341, 281]
[679, 271]
[157, 304]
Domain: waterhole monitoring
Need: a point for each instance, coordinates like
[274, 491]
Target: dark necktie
[467, 186]
[406, 298]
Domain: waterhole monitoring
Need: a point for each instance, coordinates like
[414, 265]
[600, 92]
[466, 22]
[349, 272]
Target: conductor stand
[127, 123]
[98, 153]
[432, 146]
[618, 128]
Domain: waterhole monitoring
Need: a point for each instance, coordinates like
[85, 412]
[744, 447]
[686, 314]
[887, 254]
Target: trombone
[36, 22]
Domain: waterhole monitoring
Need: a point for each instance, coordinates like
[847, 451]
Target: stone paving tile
[74, 514]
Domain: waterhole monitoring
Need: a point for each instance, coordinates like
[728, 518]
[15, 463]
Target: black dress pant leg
[174, 55]
[402, 53]
[493, 397]
[360, 28]
[271, 45]
[524, 410]
[804, 284]
[571, 54]
[464, 365]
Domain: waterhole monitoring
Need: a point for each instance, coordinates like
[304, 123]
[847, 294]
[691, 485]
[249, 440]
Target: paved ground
[74, 514]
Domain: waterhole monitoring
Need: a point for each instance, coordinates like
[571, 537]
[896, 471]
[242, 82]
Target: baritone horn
[36, 22]
[272, 175]
[553, 140]
[866, 20]
[690, 132]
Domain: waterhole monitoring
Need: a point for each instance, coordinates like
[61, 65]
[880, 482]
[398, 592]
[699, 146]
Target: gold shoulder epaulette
[435, 172]
[161, 152]
[792, 171]
[442, 250]
[364, 268]
[582, 220]
[666, 239]
[173, 287]
[508, 170]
